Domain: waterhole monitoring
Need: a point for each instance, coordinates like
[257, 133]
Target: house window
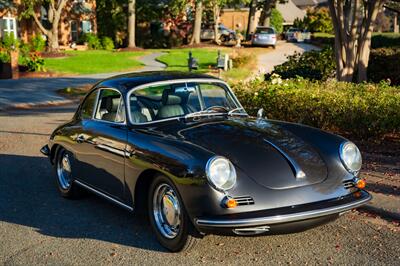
[86, 26]
[74, 31]
[9, 26]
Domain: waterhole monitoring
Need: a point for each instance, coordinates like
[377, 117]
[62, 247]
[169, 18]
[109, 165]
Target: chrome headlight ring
[221, 173]
[351, 157]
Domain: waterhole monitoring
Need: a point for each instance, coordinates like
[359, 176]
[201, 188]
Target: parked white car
[265, 36]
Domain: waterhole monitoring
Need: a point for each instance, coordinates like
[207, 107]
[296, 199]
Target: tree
[131, 23]
[266, 7]
[252, 22]
[197, 22]
[54, 10]
[353, 24]
[276, 20]
[6, 4]
[316, 20]
[265, 17]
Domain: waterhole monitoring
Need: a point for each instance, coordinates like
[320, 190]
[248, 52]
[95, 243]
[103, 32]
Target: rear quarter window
[88, 106]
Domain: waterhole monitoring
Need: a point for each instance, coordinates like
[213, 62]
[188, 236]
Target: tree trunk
[197, 23]
[395, 23]
[252, 23]
[54, 16]
[132, 23]
[216, 12]
[265, 18]
[353, 24]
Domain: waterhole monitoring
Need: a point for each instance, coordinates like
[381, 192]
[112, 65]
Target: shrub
[363, 110]
[9, 42]
[107, 43]
[30, 55]
[315, 65]
[35, 62]
[241, 58]
[38, 43]
[93, 42]
[378, 40]
[4, 56]
[384, 63]
[385, 40]
[316, 20]
[277, 20]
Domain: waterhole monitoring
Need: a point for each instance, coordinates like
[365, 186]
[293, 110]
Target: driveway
[266, 62]
[38, 226]
[33, 91]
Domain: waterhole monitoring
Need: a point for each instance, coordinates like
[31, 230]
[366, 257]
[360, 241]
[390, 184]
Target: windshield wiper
[203, 113]
[233, 111]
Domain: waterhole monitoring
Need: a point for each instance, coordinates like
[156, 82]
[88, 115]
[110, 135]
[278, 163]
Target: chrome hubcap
[64, 171]
[166, 211]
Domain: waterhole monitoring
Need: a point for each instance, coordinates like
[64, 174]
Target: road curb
[31, 105]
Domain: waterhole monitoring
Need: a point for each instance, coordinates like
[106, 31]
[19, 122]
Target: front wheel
[64, 173]
[168, 218]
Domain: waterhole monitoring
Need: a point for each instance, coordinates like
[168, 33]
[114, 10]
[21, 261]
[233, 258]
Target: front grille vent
[348, 184]
[244, 200]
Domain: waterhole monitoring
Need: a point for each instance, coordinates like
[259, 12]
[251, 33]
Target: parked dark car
[180, 147]
[225, 34]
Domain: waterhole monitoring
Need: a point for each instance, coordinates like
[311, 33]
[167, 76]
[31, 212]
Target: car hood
[266, 152]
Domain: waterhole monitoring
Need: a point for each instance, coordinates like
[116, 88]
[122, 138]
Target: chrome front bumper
[282, 217]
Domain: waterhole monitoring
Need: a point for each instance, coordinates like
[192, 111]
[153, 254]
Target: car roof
[131, 80]
[264, 27]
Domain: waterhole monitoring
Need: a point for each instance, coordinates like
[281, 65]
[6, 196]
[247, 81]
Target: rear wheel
[64, 173]
[168, 217]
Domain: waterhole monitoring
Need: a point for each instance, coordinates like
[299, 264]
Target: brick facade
[71, 27]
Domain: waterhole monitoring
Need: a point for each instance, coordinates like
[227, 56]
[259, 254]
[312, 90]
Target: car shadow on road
[29, 197]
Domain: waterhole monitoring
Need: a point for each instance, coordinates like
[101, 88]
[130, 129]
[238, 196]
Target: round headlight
[221, 173]
[351, 157]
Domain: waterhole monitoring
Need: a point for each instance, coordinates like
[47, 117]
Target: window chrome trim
[176, 81]
[97, 103]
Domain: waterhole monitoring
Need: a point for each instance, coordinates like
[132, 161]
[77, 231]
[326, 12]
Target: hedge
[378, 40]
[361, 110]
[384, 64]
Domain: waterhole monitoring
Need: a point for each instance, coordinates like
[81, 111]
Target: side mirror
[260, 113]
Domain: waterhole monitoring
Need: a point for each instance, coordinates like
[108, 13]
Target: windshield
[165, 101]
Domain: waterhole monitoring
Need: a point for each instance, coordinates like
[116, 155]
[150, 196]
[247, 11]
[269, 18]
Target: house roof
[290, 12]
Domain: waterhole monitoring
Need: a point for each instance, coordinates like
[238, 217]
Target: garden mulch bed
[127, 49]
[54, 54]
[381, 164]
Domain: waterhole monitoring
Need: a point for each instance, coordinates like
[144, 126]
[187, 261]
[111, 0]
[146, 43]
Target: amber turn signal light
[360, 183]
[229, 203]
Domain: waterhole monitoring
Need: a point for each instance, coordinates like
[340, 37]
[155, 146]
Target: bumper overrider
[282, 220]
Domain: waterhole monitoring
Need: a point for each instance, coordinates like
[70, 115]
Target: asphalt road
[37, 226]
[43, 91]
[267, 61]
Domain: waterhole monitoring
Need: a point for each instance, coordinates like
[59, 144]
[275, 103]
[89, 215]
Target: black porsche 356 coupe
[181, 147]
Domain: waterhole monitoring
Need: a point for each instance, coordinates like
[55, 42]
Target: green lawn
[177, 59]
[92, 62]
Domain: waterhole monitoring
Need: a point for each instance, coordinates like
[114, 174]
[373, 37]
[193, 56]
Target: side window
[110, 106]
[88, 106]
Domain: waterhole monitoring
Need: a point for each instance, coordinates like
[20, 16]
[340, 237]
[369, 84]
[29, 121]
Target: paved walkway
[267, 62]
[34, 91]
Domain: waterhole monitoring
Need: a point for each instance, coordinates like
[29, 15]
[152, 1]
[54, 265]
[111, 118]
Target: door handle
[81, 138]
